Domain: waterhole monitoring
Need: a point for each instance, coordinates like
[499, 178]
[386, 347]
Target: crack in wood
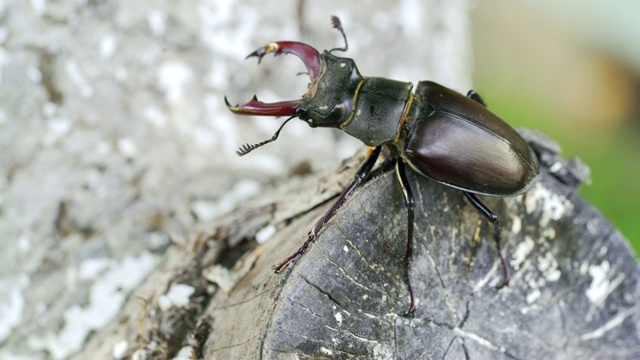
[229, 346]
[444, 355]
[358, 337]
[355, 248]
[609, 325]
[304, 307]
[325, 293]
[346, 275]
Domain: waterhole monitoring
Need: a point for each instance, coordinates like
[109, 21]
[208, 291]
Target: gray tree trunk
[129, 224]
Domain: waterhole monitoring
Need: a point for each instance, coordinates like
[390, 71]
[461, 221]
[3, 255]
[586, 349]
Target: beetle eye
[302, 114]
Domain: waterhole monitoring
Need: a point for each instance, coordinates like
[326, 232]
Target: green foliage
[611, 154]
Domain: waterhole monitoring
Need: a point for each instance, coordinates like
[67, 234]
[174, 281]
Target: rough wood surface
[573, 294]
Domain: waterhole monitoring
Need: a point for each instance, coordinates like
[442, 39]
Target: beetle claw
[308, 55]
[261, 52]
[257, 107]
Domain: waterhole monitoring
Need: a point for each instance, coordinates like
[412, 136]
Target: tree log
[573, 293]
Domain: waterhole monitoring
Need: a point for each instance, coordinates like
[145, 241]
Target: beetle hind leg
[493, 219]
[408, 200]
[473, 95]
[490, 215]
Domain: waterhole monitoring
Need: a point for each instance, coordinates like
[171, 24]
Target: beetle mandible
[439, 133]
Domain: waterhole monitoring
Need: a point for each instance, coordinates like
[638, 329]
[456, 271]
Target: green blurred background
[572, 70]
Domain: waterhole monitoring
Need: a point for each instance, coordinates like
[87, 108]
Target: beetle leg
[490, 215]
[493, 218]
[408, 200]
[360, 176]
[473, 95]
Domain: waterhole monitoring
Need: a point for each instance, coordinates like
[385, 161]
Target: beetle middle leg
[493, 219]
[408, 200]
[360, 176]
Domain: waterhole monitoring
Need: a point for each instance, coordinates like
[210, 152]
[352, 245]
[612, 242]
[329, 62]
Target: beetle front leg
[360, 176]
[408, 258]
[493, 219]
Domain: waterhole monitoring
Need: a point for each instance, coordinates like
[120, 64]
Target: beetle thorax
[380, 106]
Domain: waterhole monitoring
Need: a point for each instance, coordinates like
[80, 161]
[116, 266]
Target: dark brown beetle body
[441, 134]
[458, 142]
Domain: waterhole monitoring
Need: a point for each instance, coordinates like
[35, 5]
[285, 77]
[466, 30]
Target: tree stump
[573, 293]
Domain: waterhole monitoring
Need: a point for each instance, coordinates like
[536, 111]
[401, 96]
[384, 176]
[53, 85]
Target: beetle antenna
[247, 148]
[335, 21]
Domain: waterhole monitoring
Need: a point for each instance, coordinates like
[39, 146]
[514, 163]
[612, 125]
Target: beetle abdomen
[463, 145]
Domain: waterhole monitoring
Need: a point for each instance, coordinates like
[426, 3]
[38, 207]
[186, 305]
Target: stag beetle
[441, 134]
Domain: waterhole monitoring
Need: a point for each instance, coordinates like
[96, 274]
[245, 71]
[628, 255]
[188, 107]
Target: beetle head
[329, 99]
